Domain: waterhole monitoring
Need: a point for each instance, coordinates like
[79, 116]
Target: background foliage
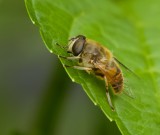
[130, 29]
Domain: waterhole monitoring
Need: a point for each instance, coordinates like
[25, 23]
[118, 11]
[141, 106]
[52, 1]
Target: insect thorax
[93, 53]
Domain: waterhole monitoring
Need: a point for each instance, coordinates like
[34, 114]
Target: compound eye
[78, 46]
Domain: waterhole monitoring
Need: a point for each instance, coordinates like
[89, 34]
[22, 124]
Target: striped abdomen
[117, 82]
[115, 77]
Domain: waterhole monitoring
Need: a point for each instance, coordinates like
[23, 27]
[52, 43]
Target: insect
[97, 59]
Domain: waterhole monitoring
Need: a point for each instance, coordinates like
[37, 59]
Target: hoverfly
[97, 59]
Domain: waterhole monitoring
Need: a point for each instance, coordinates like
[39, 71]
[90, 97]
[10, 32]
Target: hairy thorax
[93, 53]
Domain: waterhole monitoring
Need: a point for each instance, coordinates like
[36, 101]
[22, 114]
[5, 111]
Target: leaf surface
[131, 30]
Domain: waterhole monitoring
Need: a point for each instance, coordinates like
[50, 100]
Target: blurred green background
[36, 95]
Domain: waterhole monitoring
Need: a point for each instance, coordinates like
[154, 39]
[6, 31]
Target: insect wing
[125, 67]
[130, 79]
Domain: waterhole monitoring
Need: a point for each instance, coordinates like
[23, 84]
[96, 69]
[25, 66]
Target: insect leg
[69, 58]
[62, 47]
[107, 94]
[79, 67]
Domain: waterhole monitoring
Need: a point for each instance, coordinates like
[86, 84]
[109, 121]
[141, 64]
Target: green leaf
[131, 30]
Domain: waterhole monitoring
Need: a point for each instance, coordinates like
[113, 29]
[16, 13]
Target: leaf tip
[73, 80]
[50, 51]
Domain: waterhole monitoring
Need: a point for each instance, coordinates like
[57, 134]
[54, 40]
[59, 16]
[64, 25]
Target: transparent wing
[120, 63]
[129, 80]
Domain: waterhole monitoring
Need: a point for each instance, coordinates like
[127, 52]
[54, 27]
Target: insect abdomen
[117, 84]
